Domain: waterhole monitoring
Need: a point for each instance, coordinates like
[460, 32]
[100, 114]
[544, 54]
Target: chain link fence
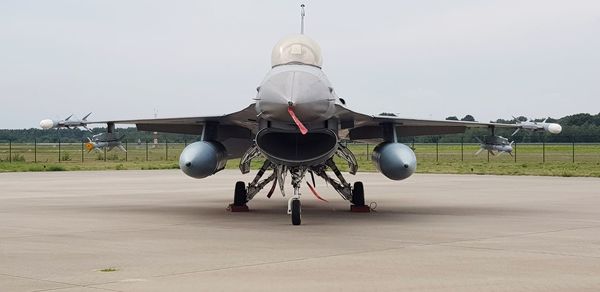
[426, 152]
[76, 152]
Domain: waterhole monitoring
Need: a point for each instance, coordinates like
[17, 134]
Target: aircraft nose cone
[311, 98]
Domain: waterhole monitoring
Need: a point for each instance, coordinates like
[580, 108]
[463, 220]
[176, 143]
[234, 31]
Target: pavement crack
[42, 280]
[274, 262]
[519, 234]
[521, 251]
[69, 285]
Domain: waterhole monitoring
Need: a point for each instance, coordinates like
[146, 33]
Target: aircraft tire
[240, 197]
[296, 212]
[358, 194]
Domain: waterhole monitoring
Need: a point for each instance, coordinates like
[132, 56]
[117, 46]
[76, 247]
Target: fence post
[488, 153]
[125, 150]
[573, 142]
[367, 151]
[104, 154]
[515, 152]
[544, 150]
[166, 149]
[146, 149]
[35, 151]
[9, 151]
[58, 150]
[437, 151]
[81, 151]
[462, 149]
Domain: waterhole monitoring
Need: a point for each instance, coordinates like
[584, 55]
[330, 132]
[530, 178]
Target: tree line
[576, 128]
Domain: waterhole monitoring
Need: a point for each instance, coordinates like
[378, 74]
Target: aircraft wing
[370, 128]
[234, 130]
[245, 118]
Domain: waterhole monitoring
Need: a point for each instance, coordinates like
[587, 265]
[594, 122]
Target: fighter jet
[66, 123]
[537, 126]
[295, 123]
[495, 145]
[101, 141]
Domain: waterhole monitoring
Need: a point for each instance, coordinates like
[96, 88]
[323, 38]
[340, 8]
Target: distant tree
[503, 121]
[452, 118]
[512, 120]
[468, 118]
[388, 114]
[578, 119]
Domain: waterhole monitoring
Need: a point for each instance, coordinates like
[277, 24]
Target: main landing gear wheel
[296, 212]
[240, 198]
[239, 195]
[358, 194]
[358, 199]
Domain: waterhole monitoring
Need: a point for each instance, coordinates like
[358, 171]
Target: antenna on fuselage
[302, 14]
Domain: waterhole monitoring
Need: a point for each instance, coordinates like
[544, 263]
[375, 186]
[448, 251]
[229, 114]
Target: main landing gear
[358, 199]
[240, 198]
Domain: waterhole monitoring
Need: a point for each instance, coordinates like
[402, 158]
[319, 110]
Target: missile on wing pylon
[66, 123]
[532, 126]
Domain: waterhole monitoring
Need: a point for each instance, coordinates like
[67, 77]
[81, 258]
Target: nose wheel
[295, 209]
[294, 205]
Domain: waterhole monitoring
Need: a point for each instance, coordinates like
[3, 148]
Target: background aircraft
[296, 122]
[495, 145]
[101, 141]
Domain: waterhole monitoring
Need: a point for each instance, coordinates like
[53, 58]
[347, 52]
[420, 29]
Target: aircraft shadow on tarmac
[317, 212]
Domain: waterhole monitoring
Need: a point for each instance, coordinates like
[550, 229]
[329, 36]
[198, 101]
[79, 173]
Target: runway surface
[162, 231]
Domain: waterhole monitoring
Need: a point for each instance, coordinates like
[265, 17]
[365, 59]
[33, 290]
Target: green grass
[446, 158]
[542, 169]
[76, 166]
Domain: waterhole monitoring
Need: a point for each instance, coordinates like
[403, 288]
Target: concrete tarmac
[163, 231]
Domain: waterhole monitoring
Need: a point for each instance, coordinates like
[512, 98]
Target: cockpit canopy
[297, 49]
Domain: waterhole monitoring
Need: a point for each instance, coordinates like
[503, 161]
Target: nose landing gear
[294, 205]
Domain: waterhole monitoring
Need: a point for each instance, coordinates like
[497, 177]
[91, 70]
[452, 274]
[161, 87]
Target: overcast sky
[427, 59]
